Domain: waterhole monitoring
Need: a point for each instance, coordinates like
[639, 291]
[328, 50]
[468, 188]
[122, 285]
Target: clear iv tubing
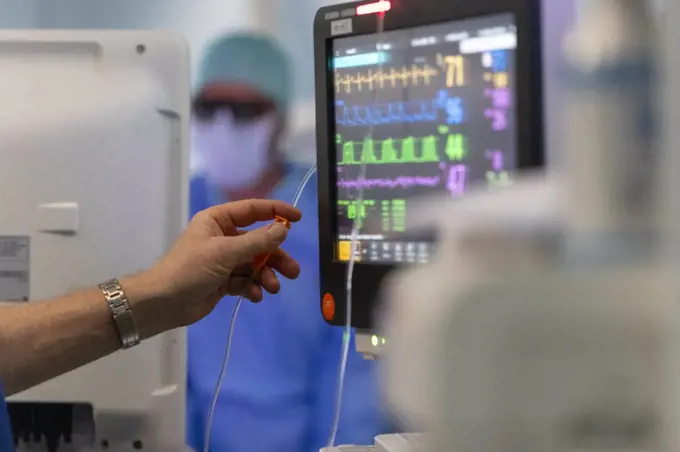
[232, 323]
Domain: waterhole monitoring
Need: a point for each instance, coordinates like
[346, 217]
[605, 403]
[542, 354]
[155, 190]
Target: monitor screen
[429, 110]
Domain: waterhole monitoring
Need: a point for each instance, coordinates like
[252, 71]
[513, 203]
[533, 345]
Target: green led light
[375, 341]
[384, 341]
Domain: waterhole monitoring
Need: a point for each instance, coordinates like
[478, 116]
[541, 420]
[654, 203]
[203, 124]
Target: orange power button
[328, 307]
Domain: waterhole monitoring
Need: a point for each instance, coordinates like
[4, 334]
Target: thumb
[263, 240]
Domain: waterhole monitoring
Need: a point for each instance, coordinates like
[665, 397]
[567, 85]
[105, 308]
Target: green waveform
[403, 150]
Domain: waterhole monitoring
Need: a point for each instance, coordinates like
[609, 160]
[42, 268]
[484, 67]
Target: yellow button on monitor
[345, 251]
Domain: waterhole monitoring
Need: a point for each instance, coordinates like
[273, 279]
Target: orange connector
[261, 261]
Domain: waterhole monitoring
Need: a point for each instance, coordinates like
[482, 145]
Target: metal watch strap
[122, 314]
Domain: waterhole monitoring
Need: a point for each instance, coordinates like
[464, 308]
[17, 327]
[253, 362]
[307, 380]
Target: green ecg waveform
[403, 150]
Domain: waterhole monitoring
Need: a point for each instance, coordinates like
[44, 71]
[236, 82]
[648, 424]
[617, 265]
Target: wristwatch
[122, 314]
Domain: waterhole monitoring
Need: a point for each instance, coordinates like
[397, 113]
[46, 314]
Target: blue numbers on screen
[454, 111]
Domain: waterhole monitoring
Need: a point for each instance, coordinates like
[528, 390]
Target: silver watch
[122, 314]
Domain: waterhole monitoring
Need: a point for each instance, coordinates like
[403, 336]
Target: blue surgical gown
[6, 443]
[279, 390]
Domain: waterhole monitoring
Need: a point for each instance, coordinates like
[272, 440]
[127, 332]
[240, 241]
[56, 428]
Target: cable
[230, 337]
[347, 334]
[220, 379]
[303, 184]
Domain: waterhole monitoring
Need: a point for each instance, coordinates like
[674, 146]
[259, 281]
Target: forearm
[42, 340]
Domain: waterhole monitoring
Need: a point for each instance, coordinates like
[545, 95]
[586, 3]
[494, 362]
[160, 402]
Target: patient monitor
[451, 95]
[94, 185]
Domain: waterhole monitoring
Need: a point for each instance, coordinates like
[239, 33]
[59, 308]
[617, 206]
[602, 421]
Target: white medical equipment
[94, 185]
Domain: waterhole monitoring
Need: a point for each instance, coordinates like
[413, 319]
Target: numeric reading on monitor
[444, 118]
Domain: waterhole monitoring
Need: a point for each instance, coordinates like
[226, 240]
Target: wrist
[150, 303]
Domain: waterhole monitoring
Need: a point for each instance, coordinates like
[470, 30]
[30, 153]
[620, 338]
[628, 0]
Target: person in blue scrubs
[279, 391]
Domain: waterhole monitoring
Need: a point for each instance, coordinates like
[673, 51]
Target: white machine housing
[514, 350]
[94, 185]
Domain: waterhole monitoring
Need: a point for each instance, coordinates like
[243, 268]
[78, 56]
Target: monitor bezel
[408, 14]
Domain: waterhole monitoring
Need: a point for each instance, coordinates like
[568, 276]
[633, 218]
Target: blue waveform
[427, 110]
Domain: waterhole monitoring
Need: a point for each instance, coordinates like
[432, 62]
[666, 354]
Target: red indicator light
[373, 8]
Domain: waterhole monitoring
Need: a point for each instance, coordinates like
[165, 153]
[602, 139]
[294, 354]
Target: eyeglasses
[242, 111]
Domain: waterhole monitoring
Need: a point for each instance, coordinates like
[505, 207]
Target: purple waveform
[399, 182]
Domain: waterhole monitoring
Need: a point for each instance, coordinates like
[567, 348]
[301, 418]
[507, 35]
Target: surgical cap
[255, 60]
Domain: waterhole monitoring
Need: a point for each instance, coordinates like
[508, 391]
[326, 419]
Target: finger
[244, 213]
[281, 262]
[244, 248]
[253, 293]
[269, 281]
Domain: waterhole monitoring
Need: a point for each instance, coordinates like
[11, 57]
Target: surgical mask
[233, 154]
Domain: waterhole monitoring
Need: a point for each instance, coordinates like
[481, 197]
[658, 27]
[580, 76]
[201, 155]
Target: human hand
[213, 258]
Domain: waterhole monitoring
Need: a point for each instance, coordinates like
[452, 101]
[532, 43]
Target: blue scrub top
[6, 442]
[279, 390]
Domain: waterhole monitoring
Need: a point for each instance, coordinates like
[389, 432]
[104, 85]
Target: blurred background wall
[198, 21]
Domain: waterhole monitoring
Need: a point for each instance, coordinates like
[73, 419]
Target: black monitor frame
[407, 14]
